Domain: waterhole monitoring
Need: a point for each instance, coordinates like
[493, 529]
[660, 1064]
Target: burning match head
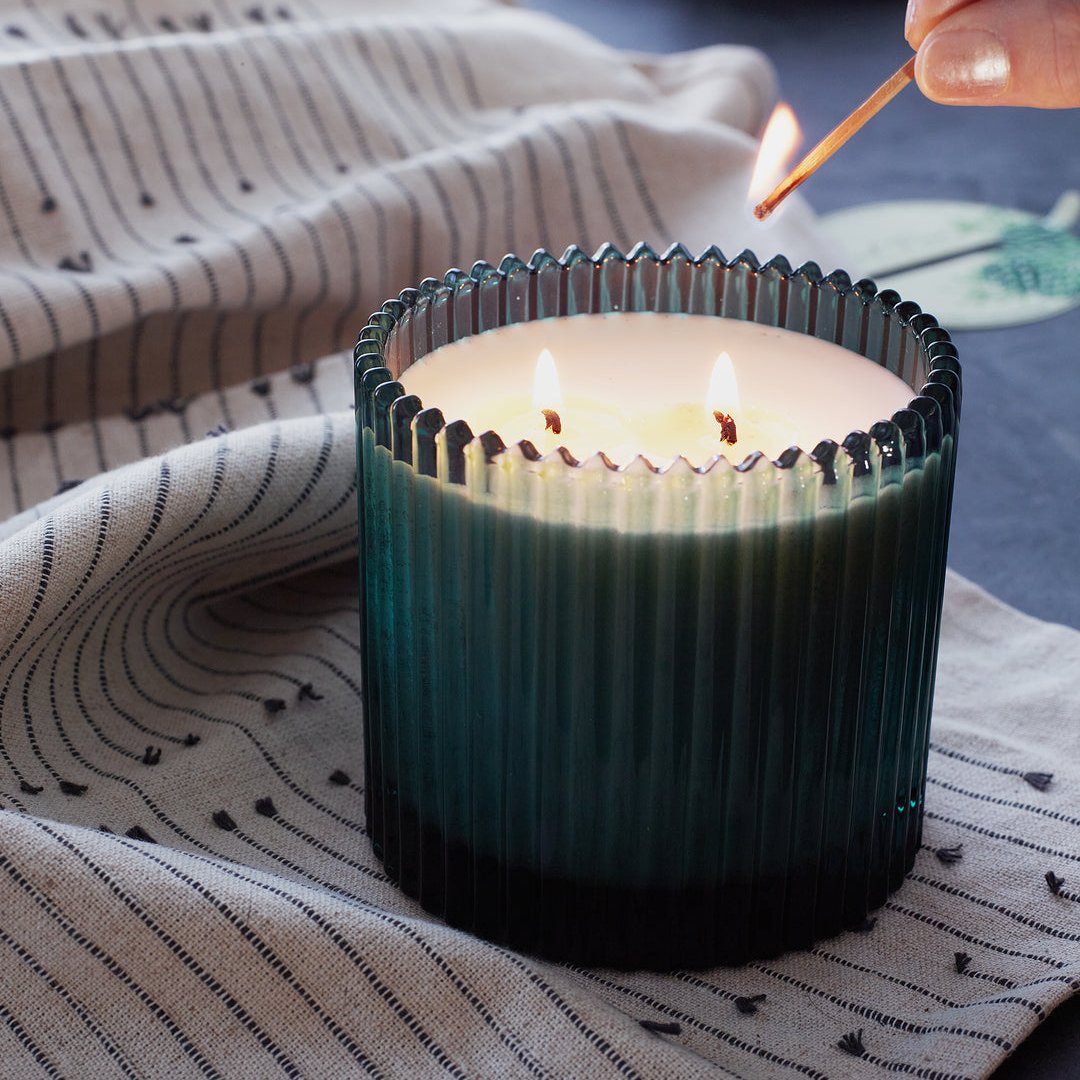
[835, 139]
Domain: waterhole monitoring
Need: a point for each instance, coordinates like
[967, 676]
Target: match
[835, 139]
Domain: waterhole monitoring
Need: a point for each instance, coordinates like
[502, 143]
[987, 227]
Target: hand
[997, 52]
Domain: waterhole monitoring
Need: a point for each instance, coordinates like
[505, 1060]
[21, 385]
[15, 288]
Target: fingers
[999, 52]
[924, 15]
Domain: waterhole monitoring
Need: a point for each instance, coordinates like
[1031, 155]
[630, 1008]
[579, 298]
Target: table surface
[1016, 515]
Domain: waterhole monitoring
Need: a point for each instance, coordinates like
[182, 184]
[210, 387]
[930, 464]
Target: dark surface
[1017, 508]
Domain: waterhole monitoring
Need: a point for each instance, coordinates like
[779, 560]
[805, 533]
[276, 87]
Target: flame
[547, 393]
[723, 393]
[779, 142]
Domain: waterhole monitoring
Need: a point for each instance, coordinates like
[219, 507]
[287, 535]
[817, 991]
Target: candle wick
[727, 427]
[552, 421]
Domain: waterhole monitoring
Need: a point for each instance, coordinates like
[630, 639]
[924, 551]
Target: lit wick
[547, 395]
[552, 421]
[727, 427]
[722, 395]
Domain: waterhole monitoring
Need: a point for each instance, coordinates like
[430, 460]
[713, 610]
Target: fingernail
[962, 64]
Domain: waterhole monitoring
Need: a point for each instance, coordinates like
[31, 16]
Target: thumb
[1004, 52]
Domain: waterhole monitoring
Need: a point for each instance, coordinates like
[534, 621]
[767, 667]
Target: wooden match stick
[835, 139]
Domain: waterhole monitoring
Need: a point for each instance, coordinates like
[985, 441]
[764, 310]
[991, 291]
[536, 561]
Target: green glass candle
[641, 716]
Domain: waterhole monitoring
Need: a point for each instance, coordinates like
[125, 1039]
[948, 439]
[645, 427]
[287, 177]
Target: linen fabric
[199, 204]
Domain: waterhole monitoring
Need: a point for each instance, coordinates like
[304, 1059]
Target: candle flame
[723, 393]
[547, 393]
[778, 144]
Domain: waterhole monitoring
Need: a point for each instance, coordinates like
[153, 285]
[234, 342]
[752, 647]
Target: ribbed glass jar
[648, 717]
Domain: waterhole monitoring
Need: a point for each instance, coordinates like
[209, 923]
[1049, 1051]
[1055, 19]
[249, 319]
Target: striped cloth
[199, 203]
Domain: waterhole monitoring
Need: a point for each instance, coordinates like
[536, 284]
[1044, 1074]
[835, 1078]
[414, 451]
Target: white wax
[637, 383]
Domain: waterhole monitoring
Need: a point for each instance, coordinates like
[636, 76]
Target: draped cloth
[200, 202]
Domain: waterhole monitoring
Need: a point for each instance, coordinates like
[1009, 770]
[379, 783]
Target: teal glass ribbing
[648, 717]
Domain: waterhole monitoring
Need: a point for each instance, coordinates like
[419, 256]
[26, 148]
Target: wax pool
[642, 383]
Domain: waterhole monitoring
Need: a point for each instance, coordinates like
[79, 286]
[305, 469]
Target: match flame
[547, 393]
[778, 145]
[723, 392]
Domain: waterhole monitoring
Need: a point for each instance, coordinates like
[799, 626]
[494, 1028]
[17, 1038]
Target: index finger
[924, 15]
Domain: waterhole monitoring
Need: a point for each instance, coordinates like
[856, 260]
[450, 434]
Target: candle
[644, 716]
[639, 383]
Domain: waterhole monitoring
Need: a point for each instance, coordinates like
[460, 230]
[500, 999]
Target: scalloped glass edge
[925, 356]
[495, 655]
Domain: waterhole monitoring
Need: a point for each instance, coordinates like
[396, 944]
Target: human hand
[997, 52]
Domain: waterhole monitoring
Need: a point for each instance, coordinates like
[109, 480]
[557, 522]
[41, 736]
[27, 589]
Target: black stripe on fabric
[481, 240]
[265, 953]
[532, 170]
[597, 1041]
[401, 108]
[127, 152]
[980, 763]
[621, 237]
[215, 616]
[48, 549]
[570, 177]
[303, 92]
[1013, 804]
[310, 657]
[73, 1003]
[416, 228]
[48, 546]
[880, 1017]
[474, 1000]
[971, 939]
[41, 1059]
[26, 151]
[318, 845]
[345, 307]
[666, 1009]
[637, 175]
[378, 985]
[13, 339]
[282, 775]
[318, 297]
[13, 469]
[461, 57]
[258, 138]
[151, 804]
[241, 176]
[329, 74]
[346, 316]
[263, 1038]
[48, 554]
[164, 160]
[179, 1037]
[448, 217]
[990, 905]
[949, 1003]
[920, 1071]
[268, 234]
[447, 101]
[985, 976]
[300, 566]
[992, 834]
[251, 44]
[104, 184]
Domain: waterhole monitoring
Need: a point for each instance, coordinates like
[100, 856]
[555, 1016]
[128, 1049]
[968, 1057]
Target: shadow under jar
[647, 717]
